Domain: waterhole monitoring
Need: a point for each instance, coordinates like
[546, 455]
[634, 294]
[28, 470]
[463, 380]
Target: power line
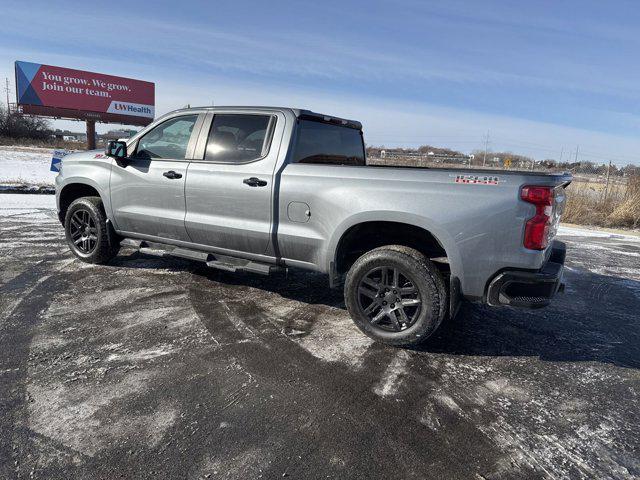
[418, 137]
[371, 138]
[603, 155]
[522, 145]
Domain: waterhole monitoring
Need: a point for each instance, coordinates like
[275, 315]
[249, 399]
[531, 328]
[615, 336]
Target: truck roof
[298, 112]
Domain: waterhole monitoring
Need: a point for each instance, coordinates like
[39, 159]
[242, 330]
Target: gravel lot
[153, 368]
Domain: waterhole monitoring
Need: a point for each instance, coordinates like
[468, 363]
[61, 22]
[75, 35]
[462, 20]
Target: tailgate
[559, 202]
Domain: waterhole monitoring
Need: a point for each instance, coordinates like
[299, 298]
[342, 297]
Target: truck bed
[479, 171]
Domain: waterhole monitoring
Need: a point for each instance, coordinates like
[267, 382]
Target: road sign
[56, 161]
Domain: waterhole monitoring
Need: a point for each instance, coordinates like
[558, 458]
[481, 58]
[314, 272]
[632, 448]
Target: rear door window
[319, 142]
[239, 138]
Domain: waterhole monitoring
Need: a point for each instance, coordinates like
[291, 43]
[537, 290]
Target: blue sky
[541, 77]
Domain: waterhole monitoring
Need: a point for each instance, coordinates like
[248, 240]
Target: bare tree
[21, 126]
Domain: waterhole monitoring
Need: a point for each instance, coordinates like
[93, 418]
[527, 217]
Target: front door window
[168, 140]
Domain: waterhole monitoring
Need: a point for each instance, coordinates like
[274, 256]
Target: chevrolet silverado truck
[261, 189]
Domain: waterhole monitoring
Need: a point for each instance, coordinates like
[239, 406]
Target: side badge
[477, 179]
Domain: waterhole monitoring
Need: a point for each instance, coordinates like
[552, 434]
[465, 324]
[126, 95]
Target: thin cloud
[439, 70]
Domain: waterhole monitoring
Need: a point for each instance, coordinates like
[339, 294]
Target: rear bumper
[529, 289]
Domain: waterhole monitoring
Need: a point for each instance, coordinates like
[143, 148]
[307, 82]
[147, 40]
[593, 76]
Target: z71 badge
[477, 179]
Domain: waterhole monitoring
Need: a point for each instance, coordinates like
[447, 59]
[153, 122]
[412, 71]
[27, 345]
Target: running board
[220, 262]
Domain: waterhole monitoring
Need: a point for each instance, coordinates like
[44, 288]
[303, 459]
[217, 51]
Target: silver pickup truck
[262, 189]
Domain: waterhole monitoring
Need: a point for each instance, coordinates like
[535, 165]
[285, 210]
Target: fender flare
[77, 180]
[446, 241]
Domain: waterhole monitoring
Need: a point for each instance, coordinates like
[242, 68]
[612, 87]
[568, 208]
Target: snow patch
[30, 166]
[392, 378]
[335, 338]
[144, 354]
[22, 203]
[72, 413]
[587, 232]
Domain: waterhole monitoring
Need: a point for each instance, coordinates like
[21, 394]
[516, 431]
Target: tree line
[502, 159]
[22, 126]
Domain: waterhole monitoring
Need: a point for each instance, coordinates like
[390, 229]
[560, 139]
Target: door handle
[171, 174]
[254, 182]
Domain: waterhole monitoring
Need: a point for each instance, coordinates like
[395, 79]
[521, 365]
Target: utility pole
[561, 152]
[606, 187]
[577, 148]
[486, 147]
[7, 89]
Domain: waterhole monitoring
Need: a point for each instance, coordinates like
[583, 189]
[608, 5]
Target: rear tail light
[536, 230]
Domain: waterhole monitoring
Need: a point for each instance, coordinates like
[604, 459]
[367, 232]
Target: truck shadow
[298, 285]
[596, 319]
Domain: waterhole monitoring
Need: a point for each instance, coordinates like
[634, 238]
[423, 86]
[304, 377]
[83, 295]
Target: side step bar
[220, 262]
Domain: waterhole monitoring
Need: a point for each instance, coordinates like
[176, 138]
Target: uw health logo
[127, 108]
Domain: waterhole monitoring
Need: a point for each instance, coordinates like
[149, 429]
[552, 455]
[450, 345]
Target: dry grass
[616, 206]
[48, 143]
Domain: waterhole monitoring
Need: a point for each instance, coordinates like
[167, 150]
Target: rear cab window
[326, 143]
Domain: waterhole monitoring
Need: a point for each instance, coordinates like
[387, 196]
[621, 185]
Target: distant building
[68, 136]
[117, 134]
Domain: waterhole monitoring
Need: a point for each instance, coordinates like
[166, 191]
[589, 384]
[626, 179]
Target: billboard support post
[91, 134]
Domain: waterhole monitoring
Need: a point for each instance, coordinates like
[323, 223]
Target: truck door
[229, 189]
[147, 191]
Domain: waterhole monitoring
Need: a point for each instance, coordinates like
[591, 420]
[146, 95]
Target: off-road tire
[107, 244]
[423, 274]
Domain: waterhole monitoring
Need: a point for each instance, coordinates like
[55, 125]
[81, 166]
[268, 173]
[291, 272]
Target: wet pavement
[156, 368]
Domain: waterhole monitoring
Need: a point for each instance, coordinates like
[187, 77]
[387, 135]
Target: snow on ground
[26, 165]
[18, 203]
[571, 231]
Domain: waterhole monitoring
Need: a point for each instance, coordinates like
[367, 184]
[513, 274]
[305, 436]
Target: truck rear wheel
[395, 295]
[88, 234]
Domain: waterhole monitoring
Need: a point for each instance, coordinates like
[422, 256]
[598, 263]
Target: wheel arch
[399, 228]
[72, 191]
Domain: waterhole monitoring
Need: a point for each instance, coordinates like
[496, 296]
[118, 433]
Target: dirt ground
[155, 368]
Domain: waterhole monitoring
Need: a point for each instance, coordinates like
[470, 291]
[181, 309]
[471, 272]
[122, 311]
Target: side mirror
[116, 149]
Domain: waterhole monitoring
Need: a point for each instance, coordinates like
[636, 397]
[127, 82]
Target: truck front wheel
[395, 295]
[88, 234]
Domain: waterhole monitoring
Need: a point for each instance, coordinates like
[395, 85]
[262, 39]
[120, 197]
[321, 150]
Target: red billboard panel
[67, 93]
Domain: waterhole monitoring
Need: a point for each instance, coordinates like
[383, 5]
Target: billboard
[67, 93]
